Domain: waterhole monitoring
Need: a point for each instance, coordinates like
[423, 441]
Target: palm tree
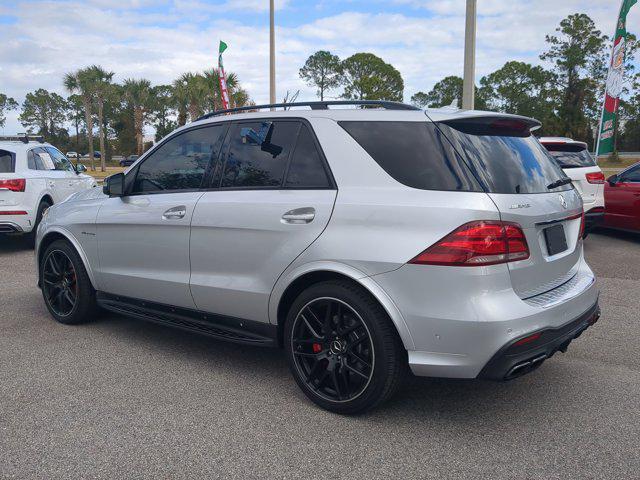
[81, 82]
[196, 91]
[180, 100]
[138, 93]
[102, 88]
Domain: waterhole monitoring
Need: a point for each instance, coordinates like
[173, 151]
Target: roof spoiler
[495, 125]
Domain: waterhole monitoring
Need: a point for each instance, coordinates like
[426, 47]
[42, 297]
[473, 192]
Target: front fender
[57, 230]
[354, 274]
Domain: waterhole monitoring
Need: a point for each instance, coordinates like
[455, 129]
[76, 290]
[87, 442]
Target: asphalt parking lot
[119, 398]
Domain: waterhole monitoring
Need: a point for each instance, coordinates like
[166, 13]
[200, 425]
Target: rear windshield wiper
[559, 183]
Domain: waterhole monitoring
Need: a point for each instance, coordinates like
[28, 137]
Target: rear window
[571, 155]
[505, 160]
[413, 153]
[7, 162]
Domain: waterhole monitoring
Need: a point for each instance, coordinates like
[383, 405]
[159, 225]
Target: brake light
[14, 184]
[595, 177]
[13, 212]
[486, 242]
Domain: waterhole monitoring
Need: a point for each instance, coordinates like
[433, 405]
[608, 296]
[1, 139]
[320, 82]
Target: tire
[30, 237]
[354, 362]
[73, 277]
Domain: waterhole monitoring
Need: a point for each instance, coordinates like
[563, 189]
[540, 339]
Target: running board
[218, 326]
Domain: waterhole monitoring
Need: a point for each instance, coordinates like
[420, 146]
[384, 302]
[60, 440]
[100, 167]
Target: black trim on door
[222, 327]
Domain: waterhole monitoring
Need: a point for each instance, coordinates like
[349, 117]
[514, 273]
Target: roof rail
[318, 105]
[22, 137]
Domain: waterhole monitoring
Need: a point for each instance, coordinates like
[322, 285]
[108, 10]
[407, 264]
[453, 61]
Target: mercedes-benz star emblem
[563, 202]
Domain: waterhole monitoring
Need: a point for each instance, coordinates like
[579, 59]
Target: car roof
[362, 114]
[17, 146]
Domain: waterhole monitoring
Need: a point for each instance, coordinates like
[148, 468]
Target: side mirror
[613, 179]
[114, 185]
[80, 168]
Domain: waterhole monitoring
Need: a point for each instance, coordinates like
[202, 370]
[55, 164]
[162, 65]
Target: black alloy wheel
[343, 350]
[59, 283]
[65, 283]
[332, 349]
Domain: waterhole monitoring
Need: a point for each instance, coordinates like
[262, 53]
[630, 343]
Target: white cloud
[160, 39]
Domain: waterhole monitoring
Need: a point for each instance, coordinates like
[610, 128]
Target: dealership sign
[614, 85]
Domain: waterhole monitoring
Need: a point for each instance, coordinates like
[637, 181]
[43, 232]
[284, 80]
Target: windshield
[571, 156]
[506, 163]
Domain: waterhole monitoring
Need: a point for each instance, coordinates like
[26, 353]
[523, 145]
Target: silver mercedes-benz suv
[365, 242]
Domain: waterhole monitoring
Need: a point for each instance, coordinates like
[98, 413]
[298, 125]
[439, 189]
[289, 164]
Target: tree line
[566, 96]
[564, 93]
[118, 111]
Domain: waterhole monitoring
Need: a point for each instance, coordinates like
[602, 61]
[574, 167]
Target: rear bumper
[514, 360]
[458, 319]
[10, 227]
[16, 223]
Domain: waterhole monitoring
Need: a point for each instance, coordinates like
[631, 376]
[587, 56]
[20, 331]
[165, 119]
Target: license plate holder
[556, 239]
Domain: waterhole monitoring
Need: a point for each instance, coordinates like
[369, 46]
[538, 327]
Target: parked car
[128, 161]
[360, 241]
[579, 165]
[74, 155]
[622, 200]
[33, 176]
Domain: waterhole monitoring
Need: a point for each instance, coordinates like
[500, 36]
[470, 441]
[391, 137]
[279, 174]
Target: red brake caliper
[317, 348]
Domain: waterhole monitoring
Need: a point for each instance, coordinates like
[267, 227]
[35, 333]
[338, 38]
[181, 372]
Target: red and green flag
[224, 92]
[615, 84]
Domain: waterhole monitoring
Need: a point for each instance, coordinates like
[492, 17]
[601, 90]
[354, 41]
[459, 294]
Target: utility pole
[468, 88]
[272, 53]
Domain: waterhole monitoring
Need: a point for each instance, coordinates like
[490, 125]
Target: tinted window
[60, 162]
[306, 169]
[180, 163]
[571, 155]
[6, 162]
[505, 163]
[414, 153]
[631, 175]
[254, 162]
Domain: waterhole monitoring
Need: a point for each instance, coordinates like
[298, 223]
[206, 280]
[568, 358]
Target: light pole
[468, 88]
[272, 54]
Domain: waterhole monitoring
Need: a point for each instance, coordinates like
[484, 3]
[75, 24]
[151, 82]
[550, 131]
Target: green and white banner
[615, 84]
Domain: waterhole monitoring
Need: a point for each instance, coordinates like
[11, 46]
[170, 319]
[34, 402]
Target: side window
[42, 159]
[258, 154]
[306, 169]
[7, 162]
[31, 160]
[180, 163]
[632, 175]
[59, 160]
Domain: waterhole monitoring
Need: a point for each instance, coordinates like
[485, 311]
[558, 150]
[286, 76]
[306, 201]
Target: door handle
[299, 215]
[175, 213]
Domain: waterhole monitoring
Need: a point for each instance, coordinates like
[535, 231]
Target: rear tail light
[476, 244]
[15, 184]
[13, 212]
[595, 177]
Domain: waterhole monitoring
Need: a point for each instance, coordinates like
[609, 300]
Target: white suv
[33, 176]
[580, 166]
[362, 241]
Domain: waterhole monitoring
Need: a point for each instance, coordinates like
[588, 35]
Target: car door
[622, 201]
[272, 196]
[143, 237]
[68, 182]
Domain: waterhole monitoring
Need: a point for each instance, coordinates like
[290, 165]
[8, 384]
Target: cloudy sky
[160, 39]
